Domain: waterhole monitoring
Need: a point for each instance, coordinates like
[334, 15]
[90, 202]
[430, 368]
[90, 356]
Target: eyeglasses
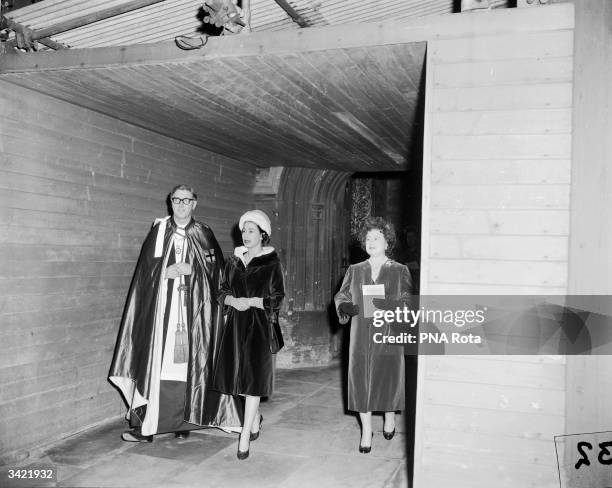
[184, 201]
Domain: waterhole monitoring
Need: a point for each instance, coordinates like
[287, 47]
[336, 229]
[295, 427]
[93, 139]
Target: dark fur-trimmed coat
[244, 363]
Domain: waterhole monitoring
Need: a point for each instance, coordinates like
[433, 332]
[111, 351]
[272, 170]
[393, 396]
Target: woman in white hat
[252, 291]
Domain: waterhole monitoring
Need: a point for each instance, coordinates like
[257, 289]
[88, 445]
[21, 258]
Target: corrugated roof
[170, 18]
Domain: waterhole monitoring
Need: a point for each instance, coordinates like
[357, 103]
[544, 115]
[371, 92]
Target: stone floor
[307, 440]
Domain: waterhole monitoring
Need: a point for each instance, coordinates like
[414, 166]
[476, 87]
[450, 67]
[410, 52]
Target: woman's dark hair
[183, 187]
[265, 238]
[378, 223]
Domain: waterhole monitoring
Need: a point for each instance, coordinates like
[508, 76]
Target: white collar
[240, 252]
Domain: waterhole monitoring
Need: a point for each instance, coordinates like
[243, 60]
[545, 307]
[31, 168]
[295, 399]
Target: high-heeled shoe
[388, 435]
[243, 454]
[255, 435]
[366, 449]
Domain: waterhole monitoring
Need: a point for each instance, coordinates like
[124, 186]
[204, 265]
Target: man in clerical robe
[170, 329]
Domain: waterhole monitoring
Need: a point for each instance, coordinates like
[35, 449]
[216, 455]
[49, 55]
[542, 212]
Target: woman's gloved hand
[240, 304]
[348, 308]
[256, 302]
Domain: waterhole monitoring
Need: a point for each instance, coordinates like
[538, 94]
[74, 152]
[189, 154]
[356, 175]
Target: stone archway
[310, 217]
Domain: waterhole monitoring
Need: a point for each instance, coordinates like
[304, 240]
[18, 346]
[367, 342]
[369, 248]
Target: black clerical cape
[137, 364]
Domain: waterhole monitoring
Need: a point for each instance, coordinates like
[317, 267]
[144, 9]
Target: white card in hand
[369, 293]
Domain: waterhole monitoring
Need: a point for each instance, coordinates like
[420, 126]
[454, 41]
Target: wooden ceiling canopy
[330, 97]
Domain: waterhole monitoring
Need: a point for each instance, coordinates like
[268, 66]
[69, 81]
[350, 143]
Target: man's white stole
[169, 370]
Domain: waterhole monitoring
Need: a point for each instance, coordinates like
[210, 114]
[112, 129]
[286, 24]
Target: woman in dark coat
[252, 292]
[376, 370]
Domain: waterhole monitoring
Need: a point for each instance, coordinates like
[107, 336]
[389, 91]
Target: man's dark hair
[183, 187]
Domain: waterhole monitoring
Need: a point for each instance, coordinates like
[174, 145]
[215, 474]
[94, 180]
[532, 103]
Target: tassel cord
[180, 338]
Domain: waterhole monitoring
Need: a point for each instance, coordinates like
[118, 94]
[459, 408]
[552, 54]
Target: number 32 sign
[585, 460]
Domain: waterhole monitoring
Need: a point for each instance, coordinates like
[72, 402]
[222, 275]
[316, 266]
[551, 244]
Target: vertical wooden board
[424, 286]
[591, 220]
[589, 378]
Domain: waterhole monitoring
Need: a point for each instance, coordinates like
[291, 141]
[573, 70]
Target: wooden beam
[18, 28]
[93, 17]
[418, 30]
[284, 4]
[590, 245]
[77, 22]
[50, 43]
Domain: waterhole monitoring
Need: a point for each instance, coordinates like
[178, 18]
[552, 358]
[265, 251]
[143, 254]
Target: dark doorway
[395, 196]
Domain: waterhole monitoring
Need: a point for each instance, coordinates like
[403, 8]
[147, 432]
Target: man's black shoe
[135, 436]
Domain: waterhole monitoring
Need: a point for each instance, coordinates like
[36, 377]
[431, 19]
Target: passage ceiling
[251, 97]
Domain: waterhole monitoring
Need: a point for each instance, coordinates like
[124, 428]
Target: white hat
[257, 217]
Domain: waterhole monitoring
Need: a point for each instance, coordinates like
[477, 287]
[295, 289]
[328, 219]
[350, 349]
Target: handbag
[276, 336]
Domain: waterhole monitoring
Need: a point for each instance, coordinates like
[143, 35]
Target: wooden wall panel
[483, 122]
[589, 378]
[502, 172]
[78, 193]
[501, 222]
[507, 71]
[496, 197]
[544, 42]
